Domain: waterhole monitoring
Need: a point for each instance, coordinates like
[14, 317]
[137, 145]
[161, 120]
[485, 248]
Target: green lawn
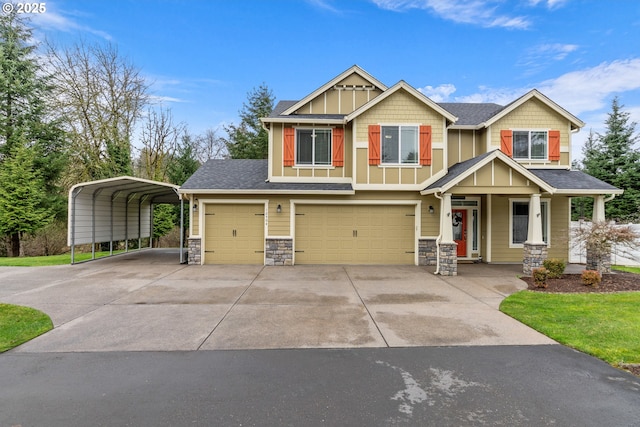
[627, 269]
[40, 261]
[603, 325]
[20, 324]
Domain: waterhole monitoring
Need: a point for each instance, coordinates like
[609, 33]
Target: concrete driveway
[146, 301]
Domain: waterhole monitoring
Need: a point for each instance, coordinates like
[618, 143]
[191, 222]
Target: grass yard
[20, 324]
[635, 270]
[41, 261]
[603, 325]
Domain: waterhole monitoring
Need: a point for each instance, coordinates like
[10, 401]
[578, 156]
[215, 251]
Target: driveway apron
[146, 301]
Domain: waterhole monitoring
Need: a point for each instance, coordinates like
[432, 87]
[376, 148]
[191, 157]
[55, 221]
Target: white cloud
[478, 12]
[439, 93]
[539, 57]
[551, 4]
[323, 4]
[52, 20]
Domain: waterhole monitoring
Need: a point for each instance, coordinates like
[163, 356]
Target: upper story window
[313, 147]
[530, 144]
[399, 144]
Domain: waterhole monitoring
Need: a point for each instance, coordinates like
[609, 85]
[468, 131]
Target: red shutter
[506, 142]
[554, 145]
[425, 145]
[288, 156]
[374, 144]
[338, 147]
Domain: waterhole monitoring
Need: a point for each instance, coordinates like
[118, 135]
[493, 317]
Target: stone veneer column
[448, 259]
[279, 252]
[427, 252]
[534, 256]
[195, 252]
[599, 262]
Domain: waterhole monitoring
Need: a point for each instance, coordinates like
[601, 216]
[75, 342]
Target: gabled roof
[458, 172]
[159, 192]
[355, 69]
[250, 176]
[576, 123]
[395, 88]
[575, 182]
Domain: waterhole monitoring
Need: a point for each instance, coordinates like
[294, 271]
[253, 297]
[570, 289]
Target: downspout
[439, 236]
[610, 198]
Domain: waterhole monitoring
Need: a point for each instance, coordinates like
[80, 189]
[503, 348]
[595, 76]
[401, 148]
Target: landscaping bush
[555, 266]
[540, 276]
[591, 278]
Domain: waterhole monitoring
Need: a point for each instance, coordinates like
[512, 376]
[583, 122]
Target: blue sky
[204, 56]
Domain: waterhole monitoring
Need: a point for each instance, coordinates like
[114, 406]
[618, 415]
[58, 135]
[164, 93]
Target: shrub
[555, 266]
[540, 276]
[591, 278]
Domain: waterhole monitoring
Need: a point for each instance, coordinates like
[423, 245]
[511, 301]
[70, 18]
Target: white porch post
[598, 209]
[446, 229]
[535, 250]
[534, 233]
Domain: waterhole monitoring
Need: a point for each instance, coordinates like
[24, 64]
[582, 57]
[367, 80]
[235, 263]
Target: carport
[117, 209]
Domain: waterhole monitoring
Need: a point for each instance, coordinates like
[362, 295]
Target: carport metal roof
[114, 209]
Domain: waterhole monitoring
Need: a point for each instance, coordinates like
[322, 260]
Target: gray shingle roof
[563, 179]
[456, 170]
[471, 114]
[240, 174]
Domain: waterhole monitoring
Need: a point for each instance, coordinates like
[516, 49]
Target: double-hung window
[313, 147]
[399, 144]
[519, 221]
[530, 144]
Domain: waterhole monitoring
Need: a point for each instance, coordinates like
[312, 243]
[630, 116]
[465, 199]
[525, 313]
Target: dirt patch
[572, 283]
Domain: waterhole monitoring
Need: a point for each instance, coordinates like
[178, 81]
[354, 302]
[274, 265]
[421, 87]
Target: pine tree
[614, 158]
[26, 119]
[249, 140]
[185, 162]
[22, 195]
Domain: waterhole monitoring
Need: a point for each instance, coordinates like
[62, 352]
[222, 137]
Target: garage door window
[313, 147]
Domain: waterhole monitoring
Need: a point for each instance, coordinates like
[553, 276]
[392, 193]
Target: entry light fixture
[431, 210]
[195, 207]
[279, 209]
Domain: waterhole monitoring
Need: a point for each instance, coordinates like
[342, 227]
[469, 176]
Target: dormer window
[313, 147]
[399, 144]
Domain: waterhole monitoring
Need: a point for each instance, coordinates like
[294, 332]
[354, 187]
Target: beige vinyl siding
[460, 144]
[401, 107]
[558, 229]
[278, 223]
[534, 114]
[277, 149]
[341, 101]
[495, 177]
[430, 223]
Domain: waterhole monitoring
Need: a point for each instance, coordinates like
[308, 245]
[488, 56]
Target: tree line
[85, 112]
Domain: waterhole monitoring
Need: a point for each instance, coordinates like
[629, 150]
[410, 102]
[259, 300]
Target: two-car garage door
[323, 234]
[354, 234]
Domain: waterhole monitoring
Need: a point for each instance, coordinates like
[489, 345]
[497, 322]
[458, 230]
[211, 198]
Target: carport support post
[181, 230]
[447, 247]
[72, 236]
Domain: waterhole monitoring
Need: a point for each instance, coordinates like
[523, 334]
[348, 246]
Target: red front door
[459, 223]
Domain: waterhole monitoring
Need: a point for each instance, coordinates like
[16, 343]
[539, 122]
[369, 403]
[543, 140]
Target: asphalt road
[425, 386]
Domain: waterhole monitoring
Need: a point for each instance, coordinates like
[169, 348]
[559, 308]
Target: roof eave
[293, 119]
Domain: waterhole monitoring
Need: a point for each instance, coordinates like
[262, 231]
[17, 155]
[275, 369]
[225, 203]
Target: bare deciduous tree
[159, 138]
[100, 96]
[211, 146]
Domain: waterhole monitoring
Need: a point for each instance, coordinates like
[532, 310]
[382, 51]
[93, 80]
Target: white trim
[489, 228]
[309, 179]
[387, 187]
[270, 192]
[528, 200]
[312, 165]
[588, 192]
[529, 159]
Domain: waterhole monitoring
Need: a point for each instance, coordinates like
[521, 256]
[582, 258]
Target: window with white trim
[313, 147]
[519, 221]
[530, 144]
[399, 144]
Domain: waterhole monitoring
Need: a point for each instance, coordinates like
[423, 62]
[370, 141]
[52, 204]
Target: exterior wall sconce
[431, 210]
[195, 207]
[279, 209]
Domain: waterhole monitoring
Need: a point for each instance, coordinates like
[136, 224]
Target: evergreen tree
[614, 158]
[26, 119]
[249, 140]
[185, 162]
[22, 195]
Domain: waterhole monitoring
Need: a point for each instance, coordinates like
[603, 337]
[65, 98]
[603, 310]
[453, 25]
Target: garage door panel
[362, 234]
[234, 234]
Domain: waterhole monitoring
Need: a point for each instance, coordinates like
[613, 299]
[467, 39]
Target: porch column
[595, 260]
[447, 248]
[535, 250]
